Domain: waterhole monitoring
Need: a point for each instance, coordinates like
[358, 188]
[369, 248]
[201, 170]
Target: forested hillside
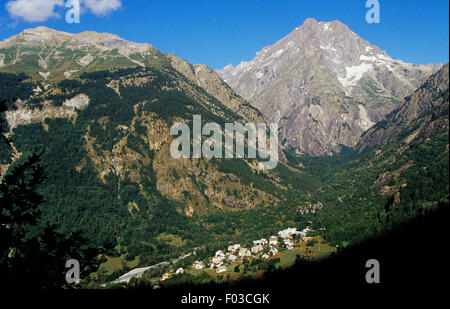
[108, 170]
[367, 194]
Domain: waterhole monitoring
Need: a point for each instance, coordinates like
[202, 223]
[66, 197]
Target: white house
[221, 269]
[243, 252]
[219, 253]
[234, 248]
[232, 257]
[273, 251]
[288, 233]
[180, 271]
[261, 242]
[288, 244]
[273, 240]
[198, 265]
[218, 261]
[257, 248]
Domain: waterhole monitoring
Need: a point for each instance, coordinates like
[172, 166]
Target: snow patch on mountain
[366, 58]
[354, 74]
[278, 53]
[383, 57]
[329, 48]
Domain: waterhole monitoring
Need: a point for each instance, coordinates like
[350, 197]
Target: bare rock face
[324, 85]
[25, 116]
[428, 106]
[209, 80]
[37, 37]
[80, 101]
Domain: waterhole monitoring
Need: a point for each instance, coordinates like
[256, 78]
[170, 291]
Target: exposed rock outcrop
[324, 85]
[428, 107]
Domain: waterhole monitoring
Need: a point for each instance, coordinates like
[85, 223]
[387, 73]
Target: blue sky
[219, 32]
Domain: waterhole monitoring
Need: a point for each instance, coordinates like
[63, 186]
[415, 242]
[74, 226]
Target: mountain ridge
[324, 84]
[66, 97]
[425, 106]
[51, 55]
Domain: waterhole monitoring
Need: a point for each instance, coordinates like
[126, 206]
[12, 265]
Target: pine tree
[32, 252]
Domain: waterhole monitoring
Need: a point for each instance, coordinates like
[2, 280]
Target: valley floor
[314, 249]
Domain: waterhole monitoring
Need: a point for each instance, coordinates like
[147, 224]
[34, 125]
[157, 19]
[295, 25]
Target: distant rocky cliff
[427, 108]
[325, 85]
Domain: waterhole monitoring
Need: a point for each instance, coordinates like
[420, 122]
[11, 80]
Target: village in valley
[234, 261]
[234, 255]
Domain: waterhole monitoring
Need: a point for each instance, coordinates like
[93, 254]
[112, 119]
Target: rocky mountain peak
[37, 37]
[46, 37]
[323, 77]
[310, 21]
[49, 54]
